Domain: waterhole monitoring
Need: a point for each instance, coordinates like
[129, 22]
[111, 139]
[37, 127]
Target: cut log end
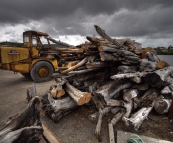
[81, 101]
[161, 64]
[87, 97]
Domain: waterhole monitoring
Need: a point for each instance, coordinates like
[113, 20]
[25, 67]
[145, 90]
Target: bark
[79, 97]
[113, 102]
[91, 59]
[151, 56]
[20, 127]
[94, 117]
[128, 69]
[116, 110]
[146, 65]
[56, 109]
[83, 71]
[89, 83]
[130, 94]
[128, 75]
[117, 117]
[162, 105]
[107, 57]
[137, 118]
[94, 87]
[98, 64]
[107, 49]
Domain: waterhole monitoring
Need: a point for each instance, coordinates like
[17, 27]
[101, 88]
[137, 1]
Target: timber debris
[117, 75]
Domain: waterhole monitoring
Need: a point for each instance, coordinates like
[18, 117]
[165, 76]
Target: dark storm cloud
[128, 18]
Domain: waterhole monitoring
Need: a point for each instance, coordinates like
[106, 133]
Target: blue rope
[135, 139]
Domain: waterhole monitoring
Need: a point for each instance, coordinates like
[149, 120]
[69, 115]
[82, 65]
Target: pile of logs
[117, 75]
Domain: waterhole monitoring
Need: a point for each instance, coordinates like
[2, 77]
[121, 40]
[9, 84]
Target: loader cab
[32, 40]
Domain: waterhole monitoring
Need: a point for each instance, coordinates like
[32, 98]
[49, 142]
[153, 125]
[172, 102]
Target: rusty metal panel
[35, 52]
[5, 66]
[11, 54]
[23, 68]
[54, 63]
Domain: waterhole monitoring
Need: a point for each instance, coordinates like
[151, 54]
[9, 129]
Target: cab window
[26, 38]
[34, 40]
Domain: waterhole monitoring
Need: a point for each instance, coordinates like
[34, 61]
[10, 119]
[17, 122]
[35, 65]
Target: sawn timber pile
[114, 74]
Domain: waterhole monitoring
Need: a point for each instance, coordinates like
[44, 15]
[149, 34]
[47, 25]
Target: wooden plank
[122, 137]
[49, 136]
[111, 133]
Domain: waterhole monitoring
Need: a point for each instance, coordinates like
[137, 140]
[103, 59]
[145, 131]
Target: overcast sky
[149, 22]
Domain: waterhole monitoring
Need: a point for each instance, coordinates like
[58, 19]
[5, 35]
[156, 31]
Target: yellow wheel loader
[32, 60]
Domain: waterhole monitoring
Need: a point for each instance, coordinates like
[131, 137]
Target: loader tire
[42, 71]
[27, 75]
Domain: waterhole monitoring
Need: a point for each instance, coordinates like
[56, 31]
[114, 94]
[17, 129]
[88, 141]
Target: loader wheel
[42, 71]
[27, 75]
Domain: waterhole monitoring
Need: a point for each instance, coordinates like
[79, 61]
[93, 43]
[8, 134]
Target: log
[151, 56]
[31, 134]
[89, 83]
[116, 110]
[113, 122]
[57, 90]
[166, 90]
[75, 66]
[128, 106]
[117, 117]
[127, 69]
[106, 92]
[146, 65]
[98, 126]
[113, 102]
[94, 117]
[107, 57]
[128, 75]
[57, 108]
[111, 133]
[137, 118]
[83, 71]
[98, 64]
[130, 94]
[58, 42]
[170, 114]
[31, 92]
[149, 96]
[102, 33]
[23, 127]
[91, 59]
[107, 49]
[79, 97]
[157, 77]
[162, 105]
[94, 87]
